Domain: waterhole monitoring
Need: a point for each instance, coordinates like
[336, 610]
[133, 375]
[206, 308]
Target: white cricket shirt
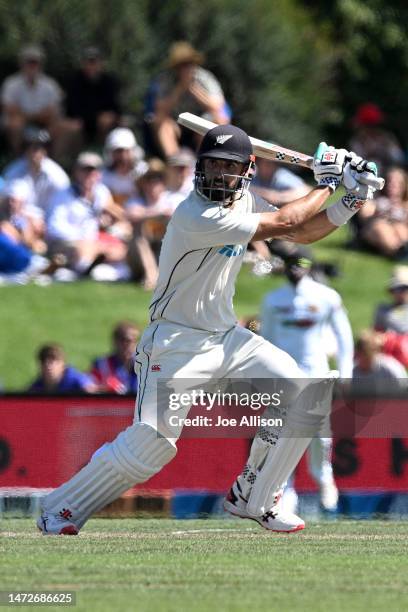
[294, 318]
[201, 255]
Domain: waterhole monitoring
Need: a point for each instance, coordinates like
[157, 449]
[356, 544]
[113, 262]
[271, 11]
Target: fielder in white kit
[193, 331]
[296, 317]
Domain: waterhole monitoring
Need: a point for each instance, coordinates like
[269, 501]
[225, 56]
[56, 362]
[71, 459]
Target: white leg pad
[272, 477]
[264, 439]
[303, 421]
[134, 456]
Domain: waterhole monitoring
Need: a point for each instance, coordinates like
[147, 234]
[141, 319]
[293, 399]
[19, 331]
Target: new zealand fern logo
[222, 138]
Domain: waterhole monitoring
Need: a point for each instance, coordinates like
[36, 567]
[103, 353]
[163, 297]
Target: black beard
[215, 191]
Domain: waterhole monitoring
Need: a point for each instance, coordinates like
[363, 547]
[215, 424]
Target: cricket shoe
[274, 520]
[55, 524]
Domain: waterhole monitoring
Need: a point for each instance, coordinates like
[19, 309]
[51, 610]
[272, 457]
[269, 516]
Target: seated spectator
[276, 184]
[184, 86]
[92, 101]
[56, 376]
[20, 220]
[43, 175]
[115, 373]
[81, 216]
[395, 345]
[180, 177]
[394, 315]
[124, 163]
[29, 97]
[372, 140]
[149, 215]
[373, 371]
[384, 222]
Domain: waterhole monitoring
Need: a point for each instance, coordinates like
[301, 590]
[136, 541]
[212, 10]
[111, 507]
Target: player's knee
[310, 412]
[138, 452]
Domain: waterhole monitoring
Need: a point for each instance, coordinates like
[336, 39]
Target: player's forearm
[290, 217]
[314, 229]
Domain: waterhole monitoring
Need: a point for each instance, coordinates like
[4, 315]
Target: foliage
[371, 42]
[291, 69]
[270, 57]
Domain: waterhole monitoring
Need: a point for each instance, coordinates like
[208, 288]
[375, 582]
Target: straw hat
[182, 52]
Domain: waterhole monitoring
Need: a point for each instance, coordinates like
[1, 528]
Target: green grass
[81, 315]
[212, 565]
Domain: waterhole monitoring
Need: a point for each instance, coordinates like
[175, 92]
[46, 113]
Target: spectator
[149, 215]
[276, 184]
[384, 223]
[372, 140]
[29, 97]
[124, 163]
[20, 220]
[180, 177]
[80, 216]
[92, 101]
[19, 238]
[394, 344]
[43, 175]
[184, 86]
[56, 376]
[394, 316]
[115, 373]
[374, 371]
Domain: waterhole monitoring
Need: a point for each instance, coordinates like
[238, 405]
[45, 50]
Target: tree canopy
[292, 70]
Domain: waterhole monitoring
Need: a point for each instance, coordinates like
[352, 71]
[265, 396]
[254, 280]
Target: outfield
[217, 565]
[81, 315]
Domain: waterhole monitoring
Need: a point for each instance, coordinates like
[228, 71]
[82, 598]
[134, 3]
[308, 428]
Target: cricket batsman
[193, 331]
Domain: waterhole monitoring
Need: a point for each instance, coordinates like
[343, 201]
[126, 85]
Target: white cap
[89, 159]
[399, 278]
[18, 189]
[121, 138]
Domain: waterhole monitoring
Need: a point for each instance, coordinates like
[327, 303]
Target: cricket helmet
[225, 142]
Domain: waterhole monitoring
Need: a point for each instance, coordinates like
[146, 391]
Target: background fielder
[194, 333]
[295, 317]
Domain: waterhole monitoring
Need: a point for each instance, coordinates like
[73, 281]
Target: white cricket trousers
[170, 351]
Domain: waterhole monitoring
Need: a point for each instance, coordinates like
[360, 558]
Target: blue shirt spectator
[14, 256]
[58, 377]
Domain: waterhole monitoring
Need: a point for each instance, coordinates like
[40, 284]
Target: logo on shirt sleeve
[231, 250]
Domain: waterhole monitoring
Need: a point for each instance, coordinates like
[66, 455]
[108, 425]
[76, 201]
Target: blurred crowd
[82, 196]
[87, 189]
[110, 373]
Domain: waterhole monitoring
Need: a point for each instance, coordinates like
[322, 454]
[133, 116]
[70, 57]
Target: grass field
[212, 565]
[81, 315]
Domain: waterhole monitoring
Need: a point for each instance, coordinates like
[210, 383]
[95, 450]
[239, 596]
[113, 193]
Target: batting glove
[361, 182]
[328, 165]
